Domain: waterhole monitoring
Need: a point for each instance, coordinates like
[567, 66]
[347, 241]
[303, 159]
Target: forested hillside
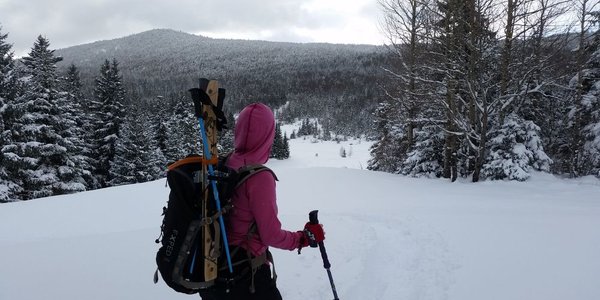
[336, 82]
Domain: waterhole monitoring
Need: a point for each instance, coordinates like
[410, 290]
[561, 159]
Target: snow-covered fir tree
[183, 136]
[286, 147]
[276, 150]
[137, 157]
[386, 154]
[585, 114]
[78, 126]
[40, 158]
[426, 157]
[225, 141]
[108, 108]
[161, 113]
[8, 187]
[308, 127]
[516, 149]
[326, 129]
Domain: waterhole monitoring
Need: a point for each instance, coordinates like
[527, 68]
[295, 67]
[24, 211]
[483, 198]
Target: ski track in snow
[422, 268]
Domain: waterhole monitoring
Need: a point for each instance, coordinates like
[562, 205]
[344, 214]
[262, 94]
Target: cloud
[70, 22]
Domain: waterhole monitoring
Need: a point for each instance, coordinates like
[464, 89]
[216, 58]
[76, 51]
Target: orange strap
[193, 160]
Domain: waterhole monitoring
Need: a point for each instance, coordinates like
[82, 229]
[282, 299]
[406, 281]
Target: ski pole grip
[200, 96]
[196, 97]
[313, 217]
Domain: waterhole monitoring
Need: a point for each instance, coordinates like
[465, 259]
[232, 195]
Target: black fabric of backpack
[191, 242]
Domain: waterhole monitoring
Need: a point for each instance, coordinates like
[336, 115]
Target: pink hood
[254, 133]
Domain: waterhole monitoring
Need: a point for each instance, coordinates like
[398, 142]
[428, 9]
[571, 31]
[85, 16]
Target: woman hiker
[253, 225]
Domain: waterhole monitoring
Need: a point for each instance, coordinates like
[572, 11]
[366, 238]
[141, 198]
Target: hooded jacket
[255, 199]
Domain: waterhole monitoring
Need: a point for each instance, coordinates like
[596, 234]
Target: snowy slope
[388, 237]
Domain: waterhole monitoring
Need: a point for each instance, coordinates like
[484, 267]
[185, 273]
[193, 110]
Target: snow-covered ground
[388, 236]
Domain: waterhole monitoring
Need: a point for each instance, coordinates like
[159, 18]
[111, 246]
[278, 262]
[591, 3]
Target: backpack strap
[244, 173]
[257, 261]
[247, 171]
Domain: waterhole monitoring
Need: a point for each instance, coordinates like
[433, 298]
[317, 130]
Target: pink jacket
[255, 200]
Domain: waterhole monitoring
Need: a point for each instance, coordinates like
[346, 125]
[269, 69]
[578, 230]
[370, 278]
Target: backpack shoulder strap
[247, 171]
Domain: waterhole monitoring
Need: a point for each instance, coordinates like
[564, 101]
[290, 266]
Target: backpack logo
[171, 244]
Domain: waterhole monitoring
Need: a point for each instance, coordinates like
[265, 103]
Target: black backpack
[191, 242]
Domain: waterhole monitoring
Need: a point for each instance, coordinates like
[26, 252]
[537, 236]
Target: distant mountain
[339, 82]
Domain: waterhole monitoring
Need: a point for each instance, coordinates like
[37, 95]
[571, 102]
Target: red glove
[313, 234]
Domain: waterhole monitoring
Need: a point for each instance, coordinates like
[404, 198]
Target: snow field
[388, 237]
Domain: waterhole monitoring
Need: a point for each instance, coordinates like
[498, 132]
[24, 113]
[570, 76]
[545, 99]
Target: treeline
[490, 89]
[56, 140]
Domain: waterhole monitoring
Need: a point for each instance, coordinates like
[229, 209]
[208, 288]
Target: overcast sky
[72, 22]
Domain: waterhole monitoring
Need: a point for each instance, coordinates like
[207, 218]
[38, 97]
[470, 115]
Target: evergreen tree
[517, 148]
[426, 157]
[226, 136]
[138, 157]
[386, 153]
[124, 167]
[162, 114]
[75, 127]
[326, 130]
[278, 151]
[155, 162]
[8, 80]
[286, 147]
[8, 186]
[307, 128]
[162, 132]
[40, 158]
[109, 112]
[183, 136]
[585, 115]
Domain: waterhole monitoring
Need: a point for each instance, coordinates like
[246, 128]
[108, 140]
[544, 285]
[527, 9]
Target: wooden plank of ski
[210, 123]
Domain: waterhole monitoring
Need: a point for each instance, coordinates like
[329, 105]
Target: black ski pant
[264, 285]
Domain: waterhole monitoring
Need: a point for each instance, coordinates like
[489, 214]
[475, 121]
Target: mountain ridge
[166, 63]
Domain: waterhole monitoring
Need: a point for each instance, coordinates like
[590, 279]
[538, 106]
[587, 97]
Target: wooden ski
[211, 241]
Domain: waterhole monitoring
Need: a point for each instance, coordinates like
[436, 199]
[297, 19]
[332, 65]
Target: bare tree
[405, 26]
[465, 42]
